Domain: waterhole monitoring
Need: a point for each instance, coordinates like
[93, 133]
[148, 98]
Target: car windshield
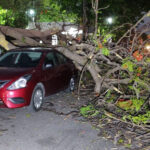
[20, 59]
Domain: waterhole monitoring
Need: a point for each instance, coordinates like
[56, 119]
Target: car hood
[11, 73]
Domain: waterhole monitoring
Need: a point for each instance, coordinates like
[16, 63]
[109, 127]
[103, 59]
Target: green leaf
[105, 51]
[128, 65]
[89, 111]
[141, 83]
[148, 60]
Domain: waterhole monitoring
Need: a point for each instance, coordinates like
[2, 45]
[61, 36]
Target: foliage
[120, 141]
[133, 104]
[122, 11]
[142, 83]
[140, 119]
[137, 103]
[127, 64]
[89, 111]
[105, 51]
[127, 145]
[53, 12]
[125, 104]
[73, 11]
[20, 20]
[4, 13]
[72, 7]
[132, 107]
[16, 5]
[16, 12]
[110, 96]
[9, 18]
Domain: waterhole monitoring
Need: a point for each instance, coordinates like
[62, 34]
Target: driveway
[46, 130]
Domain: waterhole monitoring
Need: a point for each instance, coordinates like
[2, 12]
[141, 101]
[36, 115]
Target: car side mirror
[48, 66]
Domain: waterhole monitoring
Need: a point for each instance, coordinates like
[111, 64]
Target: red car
[27, 75]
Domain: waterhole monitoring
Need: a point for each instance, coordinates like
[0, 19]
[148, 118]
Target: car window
[7, 59]
[50, 59]
[20, 59]
[28, 59]
[61, 59]
[34, 56]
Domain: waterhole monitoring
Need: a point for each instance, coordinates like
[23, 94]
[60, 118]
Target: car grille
[3, 82]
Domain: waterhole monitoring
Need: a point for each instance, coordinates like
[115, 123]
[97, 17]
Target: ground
[56, 127]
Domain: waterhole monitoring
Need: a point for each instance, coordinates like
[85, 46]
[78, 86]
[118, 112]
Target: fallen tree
[119, 67]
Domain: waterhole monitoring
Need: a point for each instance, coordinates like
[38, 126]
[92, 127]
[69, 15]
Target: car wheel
[37, 98]
[71, 86]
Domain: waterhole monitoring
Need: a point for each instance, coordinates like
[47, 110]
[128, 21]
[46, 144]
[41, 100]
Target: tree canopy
[73, 11]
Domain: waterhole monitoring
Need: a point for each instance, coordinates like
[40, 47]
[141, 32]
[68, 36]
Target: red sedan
[27, 75]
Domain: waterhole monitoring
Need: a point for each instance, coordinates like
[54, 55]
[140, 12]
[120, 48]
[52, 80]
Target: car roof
[37, 49]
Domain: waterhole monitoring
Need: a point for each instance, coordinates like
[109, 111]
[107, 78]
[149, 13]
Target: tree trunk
[4, 43]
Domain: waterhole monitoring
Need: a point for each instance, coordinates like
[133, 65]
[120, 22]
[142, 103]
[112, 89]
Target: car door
[64, 70]
[51, 74]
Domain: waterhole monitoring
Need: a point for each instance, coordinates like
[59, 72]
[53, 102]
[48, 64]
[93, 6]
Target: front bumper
[15, 98]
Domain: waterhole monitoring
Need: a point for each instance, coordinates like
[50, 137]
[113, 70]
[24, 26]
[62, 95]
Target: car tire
[37, 98]
[71, 85]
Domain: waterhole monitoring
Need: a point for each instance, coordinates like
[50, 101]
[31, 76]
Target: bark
[85, 20]
[95, 4]
[81, 61]
[28, 33]
[4, 43]
[26, 37]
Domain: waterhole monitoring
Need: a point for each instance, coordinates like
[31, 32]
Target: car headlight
[20, 83]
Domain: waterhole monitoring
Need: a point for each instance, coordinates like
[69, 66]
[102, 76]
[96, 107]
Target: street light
[31, 13]
[109, 20]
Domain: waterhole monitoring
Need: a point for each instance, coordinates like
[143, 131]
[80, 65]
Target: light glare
[31, 12]
[110, 20]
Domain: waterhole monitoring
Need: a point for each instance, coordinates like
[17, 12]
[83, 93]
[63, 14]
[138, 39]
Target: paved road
[44, 130]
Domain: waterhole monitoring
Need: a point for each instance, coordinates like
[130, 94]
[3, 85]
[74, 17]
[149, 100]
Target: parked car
[27, 75]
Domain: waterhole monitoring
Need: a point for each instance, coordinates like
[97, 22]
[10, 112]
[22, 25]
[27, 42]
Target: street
[45, 130]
